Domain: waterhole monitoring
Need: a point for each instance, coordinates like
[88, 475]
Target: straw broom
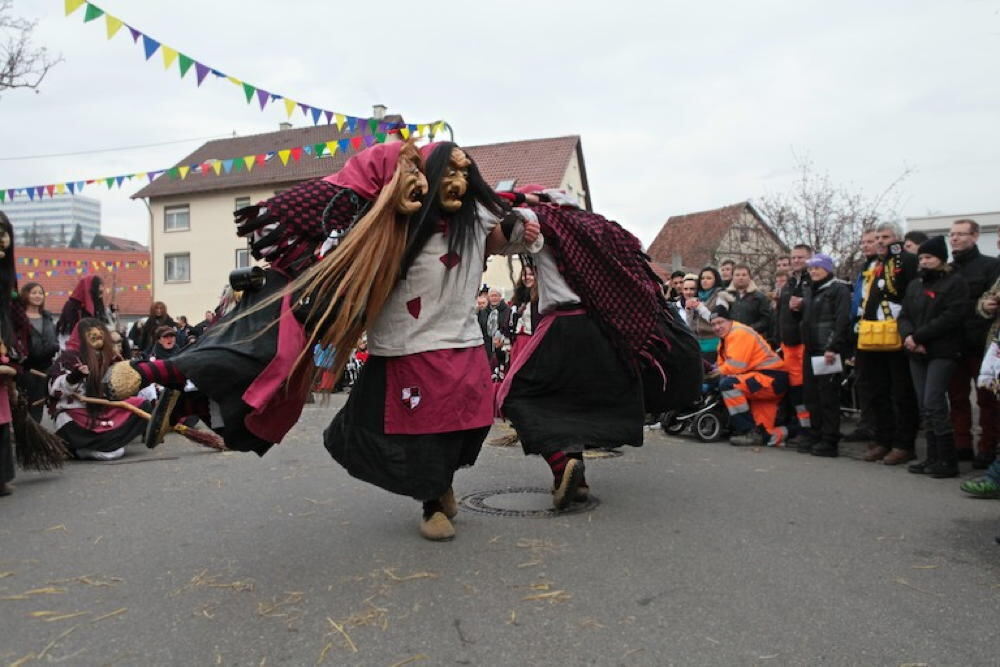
[203, 438]
[35, 447]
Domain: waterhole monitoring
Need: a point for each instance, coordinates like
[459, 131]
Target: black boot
[947, 463]
[920, 468]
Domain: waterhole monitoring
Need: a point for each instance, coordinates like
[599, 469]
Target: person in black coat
[826, 330]
[931, 325]
[750, 305]
[42, 348]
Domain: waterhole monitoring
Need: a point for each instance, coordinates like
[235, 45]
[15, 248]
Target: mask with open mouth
[455, 182]
[412, 185]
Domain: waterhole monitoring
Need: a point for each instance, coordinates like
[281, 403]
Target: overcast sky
[681, 106]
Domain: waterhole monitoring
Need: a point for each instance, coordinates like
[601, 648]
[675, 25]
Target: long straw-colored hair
[347, 289]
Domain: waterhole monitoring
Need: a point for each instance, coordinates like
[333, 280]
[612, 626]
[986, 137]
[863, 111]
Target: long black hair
[425, 222]
[14, 325]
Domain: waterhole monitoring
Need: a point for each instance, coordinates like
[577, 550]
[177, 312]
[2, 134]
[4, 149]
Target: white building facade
[933, 225]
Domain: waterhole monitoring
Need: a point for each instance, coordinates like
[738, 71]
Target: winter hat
[165, 330]
[819, 260]
[721, 310]
[934, 246]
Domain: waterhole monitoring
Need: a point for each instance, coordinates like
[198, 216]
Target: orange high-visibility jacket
[744, 351]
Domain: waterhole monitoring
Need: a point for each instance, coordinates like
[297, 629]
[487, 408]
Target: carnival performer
[90, 431]
[86, 300]
[422, 404]
[252, 368]
[14, 339]
[598, 293]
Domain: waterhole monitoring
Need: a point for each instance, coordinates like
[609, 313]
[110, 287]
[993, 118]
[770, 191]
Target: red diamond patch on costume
[411, 397]
[413, 305]
[450, 259]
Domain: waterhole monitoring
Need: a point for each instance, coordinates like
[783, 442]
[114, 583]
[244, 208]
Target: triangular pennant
[369, 140]
[3, 195]
[60, 188]
[73, 5]
[50, 189]
[341, 119]
[372, 125]
[135, 34]
[263, 96]
[331, 147]
[217, 167]
[113, 24]
[318, 149]
[150, 45]
[238, 165]
[356, 143]
[352, 123]
[290, 106]
[249, 161]
[380, 137]
[308, 150]
[185, 64]
[71, 187]
[260, 159]
[227, 165]
[79, 186]
[93, 12]
[329, 116]
[283, 156]
[305, 109]
[248, 90]
[421, 129]
[344, 145]
[404, 132]
[110, 181]
[315, 114]
[439, 127]
[183, 170]
[232, 79]
[173, 174]
[169, 56]
[139, 175]
[10, 195]
[119, 180]
[31, 193]
[296, 153]
[202, 71]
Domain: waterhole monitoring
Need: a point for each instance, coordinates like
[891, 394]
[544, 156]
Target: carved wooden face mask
[412, 189]
[95, 338]
[455, 182]
[4, 242]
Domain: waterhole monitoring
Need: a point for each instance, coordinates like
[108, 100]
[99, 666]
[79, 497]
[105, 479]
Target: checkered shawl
[606, 266]
[287, 229]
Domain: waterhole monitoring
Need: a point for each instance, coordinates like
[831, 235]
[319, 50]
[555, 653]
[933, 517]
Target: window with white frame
[177, 218]
[241, 202]
[242, 258]
[177, 268]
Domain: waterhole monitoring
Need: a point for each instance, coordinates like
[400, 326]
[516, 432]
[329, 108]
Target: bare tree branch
[22, 65]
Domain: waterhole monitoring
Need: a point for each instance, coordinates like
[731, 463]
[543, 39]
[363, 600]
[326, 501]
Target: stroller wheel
[708, 427]
[670, 424]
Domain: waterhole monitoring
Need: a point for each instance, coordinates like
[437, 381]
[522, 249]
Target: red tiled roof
[119, 243]
[539, 161]
[131, 277]
[271, 172]
[694, 236]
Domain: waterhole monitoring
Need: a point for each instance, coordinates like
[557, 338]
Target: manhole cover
[525, 501]
[603, 453]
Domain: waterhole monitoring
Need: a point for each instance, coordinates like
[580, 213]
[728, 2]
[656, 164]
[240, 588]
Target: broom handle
[115, 404]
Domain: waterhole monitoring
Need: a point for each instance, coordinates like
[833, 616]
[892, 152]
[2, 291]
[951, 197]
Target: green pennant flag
[380, 137]
[318, 149]
[184, 63]
[3, 195]
[93, 12]
[249, 91]
[372, 125]
[110, 181]
[238, 165]
[173, 174]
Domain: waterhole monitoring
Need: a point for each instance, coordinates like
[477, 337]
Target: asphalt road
[698, 554]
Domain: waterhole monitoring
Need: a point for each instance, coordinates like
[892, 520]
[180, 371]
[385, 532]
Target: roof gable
[534, 161]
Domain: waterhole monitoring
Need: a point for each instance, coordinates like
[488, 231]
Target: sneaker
[568, 484]
[437, 528]
[981, 487]
[751, 439]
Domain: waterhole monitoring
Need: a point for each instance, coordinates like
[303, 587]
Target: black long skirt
[575, 393]
[419, 466]
[7, 471]
[78, 437]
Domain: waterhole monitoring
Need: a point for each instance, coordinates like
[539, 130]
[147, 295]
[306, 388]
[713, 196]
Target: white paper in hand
[820, 367]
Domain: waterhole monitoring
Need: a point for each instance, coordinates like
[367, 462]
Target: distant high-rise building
[51, 222]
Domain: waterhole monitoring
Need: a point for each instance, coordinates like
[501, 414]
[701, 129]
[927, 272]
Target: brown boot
[437, 528]
[569, 484]
[875, 453]
[898, 456]
[448, 504]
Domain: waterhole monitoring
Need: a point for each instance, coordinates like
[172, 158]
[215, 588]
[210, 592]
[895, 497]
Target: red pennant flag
[356, 142]
[296, 153]
[260, 159]
[50, 189]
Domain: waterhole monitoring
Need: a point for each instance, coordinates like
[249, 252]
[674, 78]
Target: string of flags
[228, 166]
[109, 265]
[121, 288]
[185, 63]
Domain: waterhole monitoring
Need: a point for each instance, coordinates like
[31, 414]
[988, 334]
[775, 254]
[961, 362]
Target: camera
[250, 278]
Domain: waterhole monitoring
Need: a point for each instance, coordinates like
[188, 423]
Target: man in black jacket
[789, 336]
[749, 305]
[979, 272]
[888, 388]
[826, 325]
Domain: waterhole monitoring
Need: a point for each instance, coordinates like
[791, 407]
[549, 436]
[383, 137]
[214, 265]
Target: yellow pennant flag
[341, 119]
[169, 55]
[421, 129]
[217, 167]
[439, 127]
[233, 80]
[249, 160]
[73, 5]
[60, 188]
[404, 132]
[283, 154]
[290, 106]
[183, 171]
[331, 148]
[114, 25]
[140, 175]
